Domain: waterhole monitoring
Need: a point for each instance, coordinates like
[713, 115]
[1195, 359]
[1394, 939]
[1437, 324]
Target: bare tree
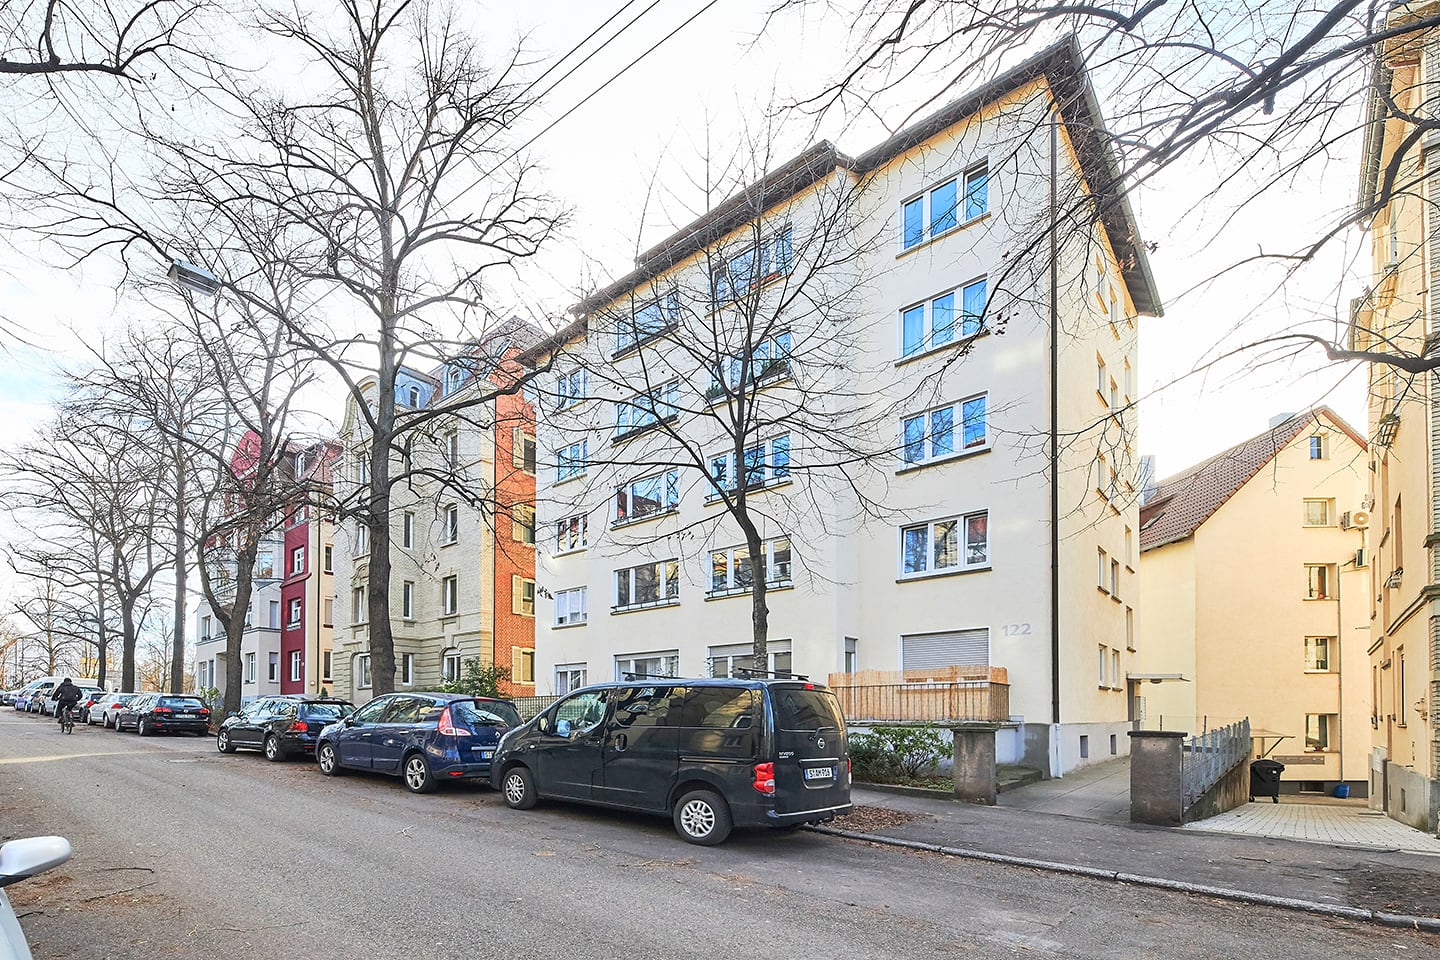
[739, 356]
[386, 189]
[120, 39]
[1224, 105]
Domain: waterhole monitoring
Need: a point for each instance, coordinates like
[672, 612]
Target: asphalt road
[184, 852]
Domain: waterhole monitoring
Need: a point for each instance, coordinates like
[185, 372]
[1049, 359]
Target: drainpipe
[1054, 421]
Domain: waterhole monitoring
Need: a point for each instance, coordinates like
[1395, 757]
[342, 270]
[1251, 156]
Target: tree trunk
[102, 639]
[177, 654]
[127, 653]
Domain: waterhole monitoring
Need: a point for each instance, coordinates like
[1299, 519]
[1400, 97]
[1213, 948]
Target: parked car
[7, 698]
[422, 737]
[110, 707]
[164, 713]
[710, 754]
[21, 860]
[90, 699]
[281, 726]
[47, 706]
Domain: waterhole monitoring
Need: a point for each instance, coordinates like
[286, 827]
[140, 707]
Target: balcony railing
[939, 696]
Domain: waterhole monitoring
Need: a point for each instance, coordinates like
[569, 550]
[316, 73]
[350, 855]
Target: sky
[696, 90]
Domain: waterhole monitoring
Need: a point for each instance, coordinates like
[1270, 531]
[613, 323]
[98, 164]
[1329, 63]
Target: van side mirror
[562, 728]
[22, 859]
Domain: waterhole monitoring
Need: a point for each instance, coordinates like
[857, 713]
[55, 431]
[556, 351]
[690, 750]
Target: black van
[711, 754]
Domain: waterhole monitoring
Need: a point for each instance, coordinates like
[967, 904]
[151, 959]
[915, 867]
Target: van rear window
[800, 709]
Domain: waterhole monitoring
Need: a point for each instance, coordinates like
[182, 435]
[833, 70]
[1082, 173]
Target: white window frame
[450, 525]
[972, 178]
[1318, 446]
[667, 579]
[570, 677]
[775, 256]
[296, 613]
[274, 614]
[766, 469]
[779, 659]
[297, 666]
[649, 408]
[572, 460]
[359, 612]
[572, 533]
[668, 664]
[362, 539]
[964, 325]
[407, 669]
[407, 530]
[329, 558]
[571, 388]
[327, 666]
[1327, 729]
[363, 679]
[1313, 659]
[362, 469]
[1102, 571]
[450, 595]
[625, 499]
[272, 666]
[926, 440]
[297, 560]
[631, 332]
[769, 362]
[777, 573]
[407, 600]
[1327, 509]
[570, 607]
[250, 668]
[962, 546]
[1326, 588]
[523, 451]
[451, 665]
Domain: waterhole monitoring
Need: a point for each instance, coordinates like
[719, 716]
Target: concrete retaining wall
[1410, 798]
[1232, 791]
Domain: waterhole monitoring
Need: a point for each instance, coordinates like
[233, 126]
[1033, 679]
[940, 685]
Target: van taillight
[764, 778]
[299, 726]
[447, 725]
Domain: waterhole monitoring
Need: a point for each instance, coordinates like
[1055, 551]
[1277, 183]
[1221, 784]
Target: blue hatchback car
[423, 738]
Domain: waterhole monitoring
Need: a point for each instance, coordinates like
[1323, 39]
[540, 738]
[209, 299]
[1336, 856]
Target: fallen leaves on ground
[866, 819]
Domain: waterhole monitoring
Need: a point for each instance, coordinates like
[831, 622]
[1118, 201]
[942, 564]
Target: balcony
[944, 695]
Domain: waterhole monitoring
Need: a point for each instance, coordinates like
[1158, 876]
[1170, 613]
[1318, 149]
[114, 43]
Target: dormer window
[415, 397]
[452, 382]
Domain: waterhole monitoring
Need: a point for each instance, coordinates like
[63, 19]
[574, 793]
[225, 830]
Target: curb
[1425, 924]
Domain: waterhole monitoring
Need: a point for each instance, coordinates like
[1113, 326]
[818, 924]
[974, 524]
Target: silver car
[110, 707]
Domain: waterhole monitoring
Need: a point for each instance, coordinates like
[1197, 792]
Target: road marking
[75, 756]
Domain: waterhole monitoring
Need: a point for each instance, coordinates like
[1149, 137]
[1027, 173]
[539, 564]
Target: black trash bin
[1265, 779]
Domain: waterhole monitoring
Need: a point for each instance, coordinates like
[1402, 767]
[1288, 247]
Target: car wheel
[222, 742]
[142, 728]
[519, 788]
[702, 817]
[418, 778]
[273, 751]
[328, 760]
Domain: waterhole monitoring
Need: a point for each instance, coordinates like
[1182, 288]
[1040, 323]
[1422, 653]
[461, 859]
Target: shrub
[897, 753]
[479, 679]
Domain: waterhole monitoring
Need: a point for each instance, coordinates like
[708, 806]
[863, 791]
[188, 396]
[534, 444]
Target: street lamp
[193, 278]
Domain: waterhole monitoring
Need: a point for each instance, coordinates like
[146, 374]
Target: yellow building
[1396, 317]
[1253, 600]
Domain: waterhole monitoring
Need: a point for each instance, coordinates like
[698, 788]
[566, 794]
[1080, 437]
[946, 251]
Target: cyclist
[65, 696]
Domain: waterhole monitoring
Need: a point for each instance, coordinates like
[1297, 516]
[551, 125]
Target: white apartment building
[941, 465]
[260, 666]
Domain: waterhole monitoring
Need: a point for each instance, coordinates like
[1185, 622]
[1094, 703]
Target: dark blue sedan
[422, 737]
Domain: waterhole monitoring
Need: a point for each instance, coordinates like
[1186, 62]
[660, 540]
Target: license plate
[186, 716]
[820, 773]
[486, 754]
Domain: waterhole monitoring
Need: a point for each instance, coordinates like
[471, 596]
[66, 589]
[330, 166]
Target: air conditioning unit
[1345, 520]
[1360, 519]
[1360, 557]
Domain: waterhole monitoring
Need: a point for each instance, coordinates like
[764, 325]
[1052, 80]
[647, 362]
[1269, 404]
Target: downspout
[1054, 422]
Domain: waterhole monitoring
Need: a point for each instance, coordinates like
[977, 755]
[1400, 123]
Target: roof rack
[647, 676]
[746, 673]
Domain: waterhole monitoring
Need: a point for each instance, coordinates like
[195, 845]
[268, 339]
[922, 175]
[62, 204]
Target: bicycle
[67, 719]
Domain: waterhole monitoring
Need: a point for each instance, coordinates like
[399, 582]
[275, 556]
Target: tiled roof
[1183, 502]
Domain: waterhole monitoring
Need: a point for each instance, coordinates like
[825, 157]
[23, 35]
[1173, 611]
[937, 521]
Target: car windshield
[328, 711]
[181, 703]
[487, 713]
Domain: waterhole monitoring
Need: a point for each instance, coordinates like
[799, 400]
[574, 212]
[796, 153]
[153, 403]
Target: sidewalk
[1334, 876]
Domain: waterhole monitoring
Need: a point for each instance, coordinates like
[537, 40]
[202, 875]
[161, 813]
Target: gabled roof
[1183, 502]
[1061, 64]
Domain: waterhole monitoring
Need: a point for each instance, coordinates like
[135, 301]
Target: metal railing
[531, 706]
[1206, 758]
[947, 695]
